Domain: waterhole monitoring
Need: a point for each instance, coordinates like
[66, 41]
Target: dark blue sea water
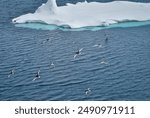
[119, 70]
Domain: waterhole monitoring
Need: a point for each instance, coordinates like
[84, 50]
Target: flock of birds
[76, 54]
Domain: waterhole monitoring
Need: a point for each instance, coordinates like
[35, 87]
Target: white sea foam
[84, 14]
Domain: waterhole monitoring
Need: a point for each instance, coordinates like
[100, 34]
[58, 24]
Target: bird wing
[80, 49]
[75, 56]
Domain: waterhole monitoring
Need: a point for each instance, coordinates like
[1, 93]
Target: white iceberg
[84, 14]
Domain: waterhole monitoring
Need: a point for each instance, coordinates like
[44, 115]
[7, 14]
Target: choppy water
[125, 76]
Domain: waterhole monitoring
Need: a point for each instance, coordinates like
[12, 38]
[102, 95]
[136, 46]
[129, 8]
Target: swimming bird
[11, 73]
[106, 39]
[106, 36]
[78, 53]
[88, 91]
[104, 62]
[37, 75]
[52, 64]
[97, 45]
[47, 39]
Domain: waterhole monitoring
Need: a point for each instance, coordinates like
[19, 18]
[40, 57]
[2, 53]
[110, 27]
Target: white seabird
[78, 53]
[37, 75]
[88, 91]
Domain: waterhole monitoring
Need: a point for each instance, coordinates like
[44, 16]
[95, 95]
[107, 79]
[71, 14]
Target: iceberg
[84, 14]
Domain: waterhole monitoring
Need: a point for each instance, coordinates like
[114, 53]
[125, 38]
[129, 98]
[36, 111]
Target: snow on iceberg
[84, 14]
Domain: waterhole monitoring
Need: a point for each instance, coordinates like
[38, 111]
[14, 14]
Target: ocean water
[119, 69]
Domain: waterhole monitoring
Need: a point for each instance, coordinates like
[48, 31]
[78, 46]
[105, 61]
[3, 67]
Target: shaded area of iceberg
[92, 28]
[84, 15]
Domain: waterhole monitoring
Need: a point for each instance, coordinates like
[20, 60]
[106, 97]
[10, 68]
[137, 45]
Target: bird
[52, 64]
[106, 36]
[47, 39]
[88, 91]
[97, 45]
[106, 39]
[11, 73]
[37, 75]
[77, 53]
[104, 62]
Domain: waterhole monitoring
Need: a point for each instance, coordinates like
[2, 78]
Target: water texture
[117, 68]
